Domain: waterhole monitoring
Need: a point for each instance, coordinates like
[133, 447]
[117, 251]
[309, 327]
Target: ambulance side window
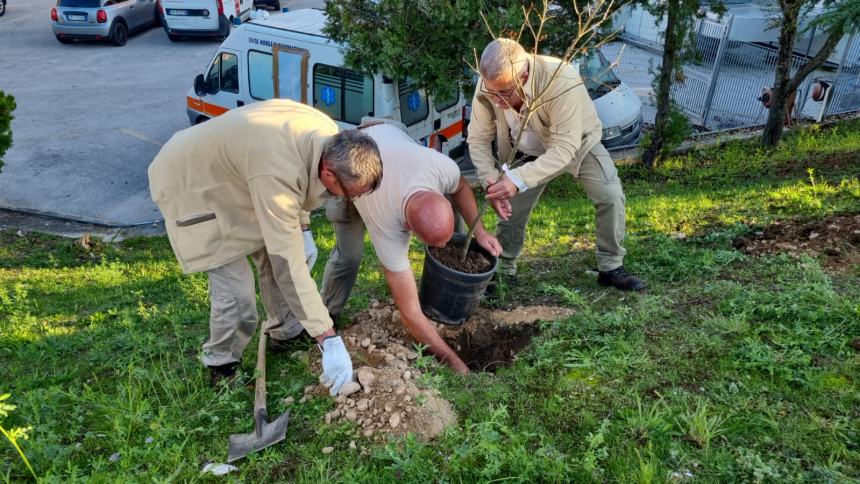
[213, 77]
[413, 103]
[343, 94]
[229, 72]
[260, 75]
[441, 103]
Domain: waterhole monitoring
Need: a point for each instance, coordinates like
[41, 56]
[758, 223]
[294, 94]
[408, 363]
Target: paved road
[90, 116]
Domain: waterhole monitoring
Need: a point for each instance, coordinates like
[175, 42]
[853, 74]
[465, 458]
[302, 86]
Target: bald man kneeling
[411, 199]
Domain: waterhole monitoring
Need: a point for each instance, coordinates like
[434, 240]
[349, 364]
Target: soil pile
[451, 256]
[837, 237]
[388, 397]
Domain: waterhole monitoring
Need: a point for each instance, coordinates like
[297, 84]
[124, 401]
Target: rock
[394, 421]
[350, 402]
[395, 316]
[351, 340]
[298, 355]
[407, 375]
[366, 377]
[303, 399]
[401, 365]
[289, 400]
[350, 388]
[832, 227]
[351, 415]
[362, 404]
[371, 348]
[309, 389]
[374, 303]
[351, 444]
[411, 355]
[340, 399]
[388, 358]
[400, 389]
[368, 432]
[814, 235]
[407, 398]
[327, 450]
[365, 342]
[389, 407]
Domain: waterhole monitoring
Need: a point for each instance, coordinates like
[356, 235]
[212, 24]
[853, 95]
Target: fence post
[715, 74]
[830, 101]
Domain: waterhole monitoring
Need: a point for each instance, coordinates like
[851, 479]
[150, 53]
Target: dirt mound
[388, 397]
[837, 237]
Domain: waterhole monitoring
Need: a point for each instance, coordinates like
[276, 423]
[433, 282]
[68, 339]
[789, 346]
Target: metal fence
[720, 89]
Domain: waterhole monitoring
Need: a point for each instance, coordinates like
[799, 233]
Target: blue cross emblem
[414, 101]
[328, 95]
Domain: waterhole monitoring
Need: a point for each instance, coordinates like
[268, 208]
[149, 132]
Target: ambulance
[287, 56]
[203, 18]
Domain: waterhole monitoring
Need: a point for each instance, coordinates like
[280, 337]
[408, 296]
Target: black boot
[275, 345]
[220, 373]
[621, 279]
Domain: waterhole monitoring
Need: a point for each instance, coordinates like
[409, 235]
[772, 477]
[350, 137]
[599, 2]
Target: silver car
[102, 19]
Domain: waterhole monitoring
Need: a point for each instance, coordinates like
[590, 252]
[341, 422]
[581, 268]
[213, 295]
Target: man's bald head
[430, 216]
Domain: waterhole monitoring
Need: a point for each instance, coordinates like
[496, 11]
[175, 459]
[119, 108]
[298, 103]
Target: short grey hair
[354, 157]
[503, 59]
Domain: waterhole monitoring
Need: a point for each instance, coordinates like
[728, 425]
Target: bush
[7, 105]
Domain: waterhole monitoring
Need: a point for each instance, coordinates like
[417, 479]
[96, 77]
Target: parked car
[111, 20]
[618, 107]
[2, 7]
[203, 18]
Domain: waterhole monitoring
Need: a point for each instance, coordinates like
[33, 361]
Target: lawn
[730, 367]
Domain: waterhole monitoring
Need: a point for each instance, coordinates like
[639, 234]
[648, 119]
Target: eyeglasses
[346, 195]
[503, 95]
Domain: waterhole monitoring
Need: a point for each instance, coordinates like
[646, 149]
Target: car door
[134, 9]
[222, 83]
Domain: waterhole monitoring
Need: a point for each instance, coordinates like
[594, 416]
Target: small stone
[395, 316]
[407, 375]
[340, 399]
[362, 404]
[374, 303]
[389, 358]
[407, 398]
[368, 432]
[365, 342]
[394, 421]
[401, 365]
[832, 227]
[327, 450]
[309, 389]
[335, 413]
[350, 402]
[411, 355]
[351, 415]
[371, 348]
[389, 407]
[303, 399]
[115, 456]
[350, 388]
[814, 235]
[400, 389]
[328, 418]
[366, 377]
[289, 400]
[351, 444]
[351, 340]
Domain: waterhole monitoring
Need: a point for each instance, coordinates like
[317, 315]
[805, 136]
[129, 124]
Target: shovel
[265, 433]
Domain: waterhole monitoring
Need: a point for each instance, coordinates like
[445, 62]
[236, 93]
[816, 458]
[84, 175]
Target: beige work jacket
[567, 124]
[243, 181]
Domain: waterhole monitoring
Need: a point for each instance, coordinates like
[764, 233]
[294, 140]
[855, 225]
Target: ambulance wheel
[119, 34]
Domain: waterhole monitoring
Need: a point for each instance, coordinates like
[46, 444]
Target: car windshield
[596, 74]
[80, 3]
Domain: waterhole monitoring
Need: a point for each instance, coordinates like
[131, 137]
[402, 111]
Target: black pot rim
[461, 238]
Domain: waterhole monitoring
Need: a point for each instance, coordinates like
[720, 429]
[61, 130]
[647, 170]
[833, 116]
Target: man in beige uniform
[240, 185]
[410, 200]
[563, 135]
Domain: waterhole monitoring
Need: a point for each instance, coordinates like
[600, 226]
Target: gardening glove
[337, 366]
[310, 248]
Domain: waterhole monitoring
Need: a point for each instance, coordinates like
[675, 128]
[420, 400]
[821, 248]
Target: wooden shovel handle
[260, 387]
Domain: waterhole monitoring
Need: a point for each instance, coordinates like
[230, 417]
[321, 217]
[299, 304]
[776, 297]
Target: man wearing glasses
[241, 184]
[562, 136]
[411, 199]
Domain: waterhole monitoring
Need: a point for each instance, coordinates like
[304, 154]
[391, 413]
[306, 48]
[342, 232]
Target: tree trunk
[788, 31]
[664, 100]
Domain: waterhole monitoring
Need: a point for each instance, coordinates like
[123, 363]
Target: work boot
[621, 279]
[225, 373]
[276, 345]
[493, 286]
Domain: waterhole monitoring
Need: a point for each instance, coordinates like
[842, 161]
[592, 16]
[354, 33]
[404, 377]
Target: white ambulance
[287, 56]
[203, 18]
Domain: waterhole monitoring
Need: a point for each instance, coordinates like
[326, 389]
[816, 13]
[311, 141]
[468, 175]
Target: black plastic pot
[449, 296]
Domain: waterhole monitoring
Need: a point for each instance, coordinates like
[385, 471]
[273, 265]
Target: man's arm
[464, 202]
[405, 294]
[482, 133]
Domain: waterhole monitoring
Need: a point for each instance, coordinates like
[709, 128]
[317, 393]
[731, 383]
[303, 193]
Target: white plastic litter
[218, 469]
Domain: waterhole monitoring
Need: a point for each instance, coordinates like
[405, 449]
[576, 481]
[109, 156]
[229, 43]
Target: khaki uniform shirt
[567, 125]
[240, 182]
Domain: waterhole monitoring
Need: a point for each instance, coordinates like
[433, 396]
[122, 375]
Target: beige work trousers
[599, 178]
[233, 309]
[341, 270]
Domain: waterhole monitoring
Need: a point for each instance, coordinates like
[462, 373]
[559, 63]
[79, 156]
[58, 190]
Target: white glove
[311, 251]
[337, 366]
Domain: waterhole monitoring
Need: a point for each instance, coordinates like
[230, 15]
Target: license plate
[177, 12]
[80, 18]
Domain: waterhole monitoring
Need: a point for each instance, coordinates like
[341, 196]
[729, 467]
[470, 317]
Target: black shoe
[225, 373]
[493, 286]
[621, 279]
[276, 345]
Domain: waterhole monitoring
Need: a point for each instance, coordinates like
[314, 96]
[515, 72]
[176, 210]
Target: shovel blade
[244, 444]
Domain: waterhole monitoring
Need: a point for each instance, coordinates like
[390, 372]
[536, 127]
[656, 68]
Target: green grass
[729, 368]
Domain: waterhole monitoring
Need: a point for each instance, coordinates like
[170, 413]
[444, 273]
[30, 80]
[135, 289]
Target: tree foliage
[7, 105]
[839, 17]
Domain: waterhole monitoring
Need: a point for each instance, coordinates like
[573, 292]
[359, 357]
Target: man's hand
[488, 242]
[311, 251]
[336, 363]
[502, 208]
[502, 189]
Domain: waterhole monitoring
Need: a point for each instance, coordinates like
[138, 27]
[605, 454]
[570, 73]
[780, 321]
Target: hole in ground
[487, 348]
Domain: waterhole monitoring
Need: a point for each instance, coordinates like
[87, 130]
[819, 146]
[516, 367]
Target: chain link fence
[720, 88]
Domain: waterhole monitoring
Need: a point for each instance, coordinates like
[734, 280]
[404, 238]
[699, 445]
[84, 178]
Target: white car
[618, 107]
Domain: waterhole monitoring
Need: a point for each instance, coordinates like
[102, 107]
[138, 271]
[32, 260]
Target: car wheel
[119, 34]
[173, 37]
[65, 40]
[2, 7]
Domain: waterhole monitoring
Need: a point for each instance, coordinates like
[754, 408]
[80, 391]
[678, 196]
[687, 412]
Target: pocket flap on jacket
[195, 219]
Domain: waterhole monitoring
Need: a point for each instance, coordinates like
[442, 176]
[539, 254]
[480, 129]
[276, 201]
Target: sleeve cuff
[521, 186]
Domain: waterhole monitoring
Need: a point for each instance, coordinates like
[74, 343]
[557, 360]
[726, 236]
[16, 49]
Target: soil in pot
[452, 256]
